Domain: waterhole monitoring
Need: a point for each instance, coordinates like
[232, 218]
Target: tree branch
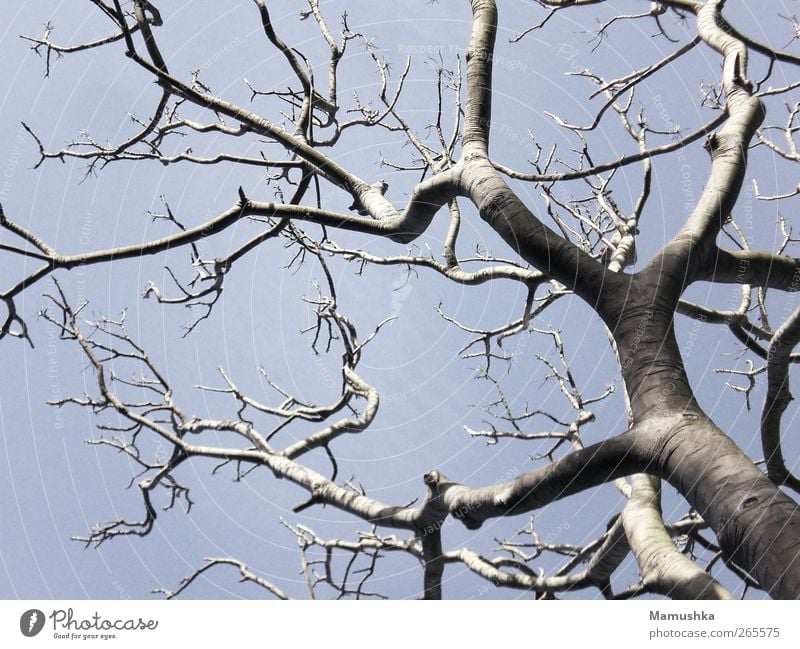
[777, 400]
[580, 470]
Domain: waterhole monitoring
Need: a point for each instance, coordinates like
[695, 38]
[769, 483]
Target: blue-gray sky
[54, 486]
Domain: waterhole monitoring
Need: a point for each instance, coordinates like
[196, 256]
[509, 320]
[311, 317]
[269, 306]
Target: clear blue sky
[54, 486]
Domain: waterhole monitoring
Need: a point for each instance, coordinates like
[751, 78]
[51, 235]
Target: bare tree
[740, 513]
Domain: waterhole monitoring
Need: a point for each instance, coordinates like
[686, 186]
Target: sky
[54, 486]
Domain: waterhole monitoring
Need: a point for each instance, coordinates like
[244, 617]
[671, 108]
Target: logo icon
[31, 622]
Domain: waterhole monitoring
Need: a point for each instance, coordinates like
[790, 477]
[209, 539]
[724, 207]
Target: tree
[592, 252]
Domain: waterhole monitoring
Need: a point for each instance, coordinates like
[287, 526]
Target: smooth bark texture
[669, 438]
[664, 569]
